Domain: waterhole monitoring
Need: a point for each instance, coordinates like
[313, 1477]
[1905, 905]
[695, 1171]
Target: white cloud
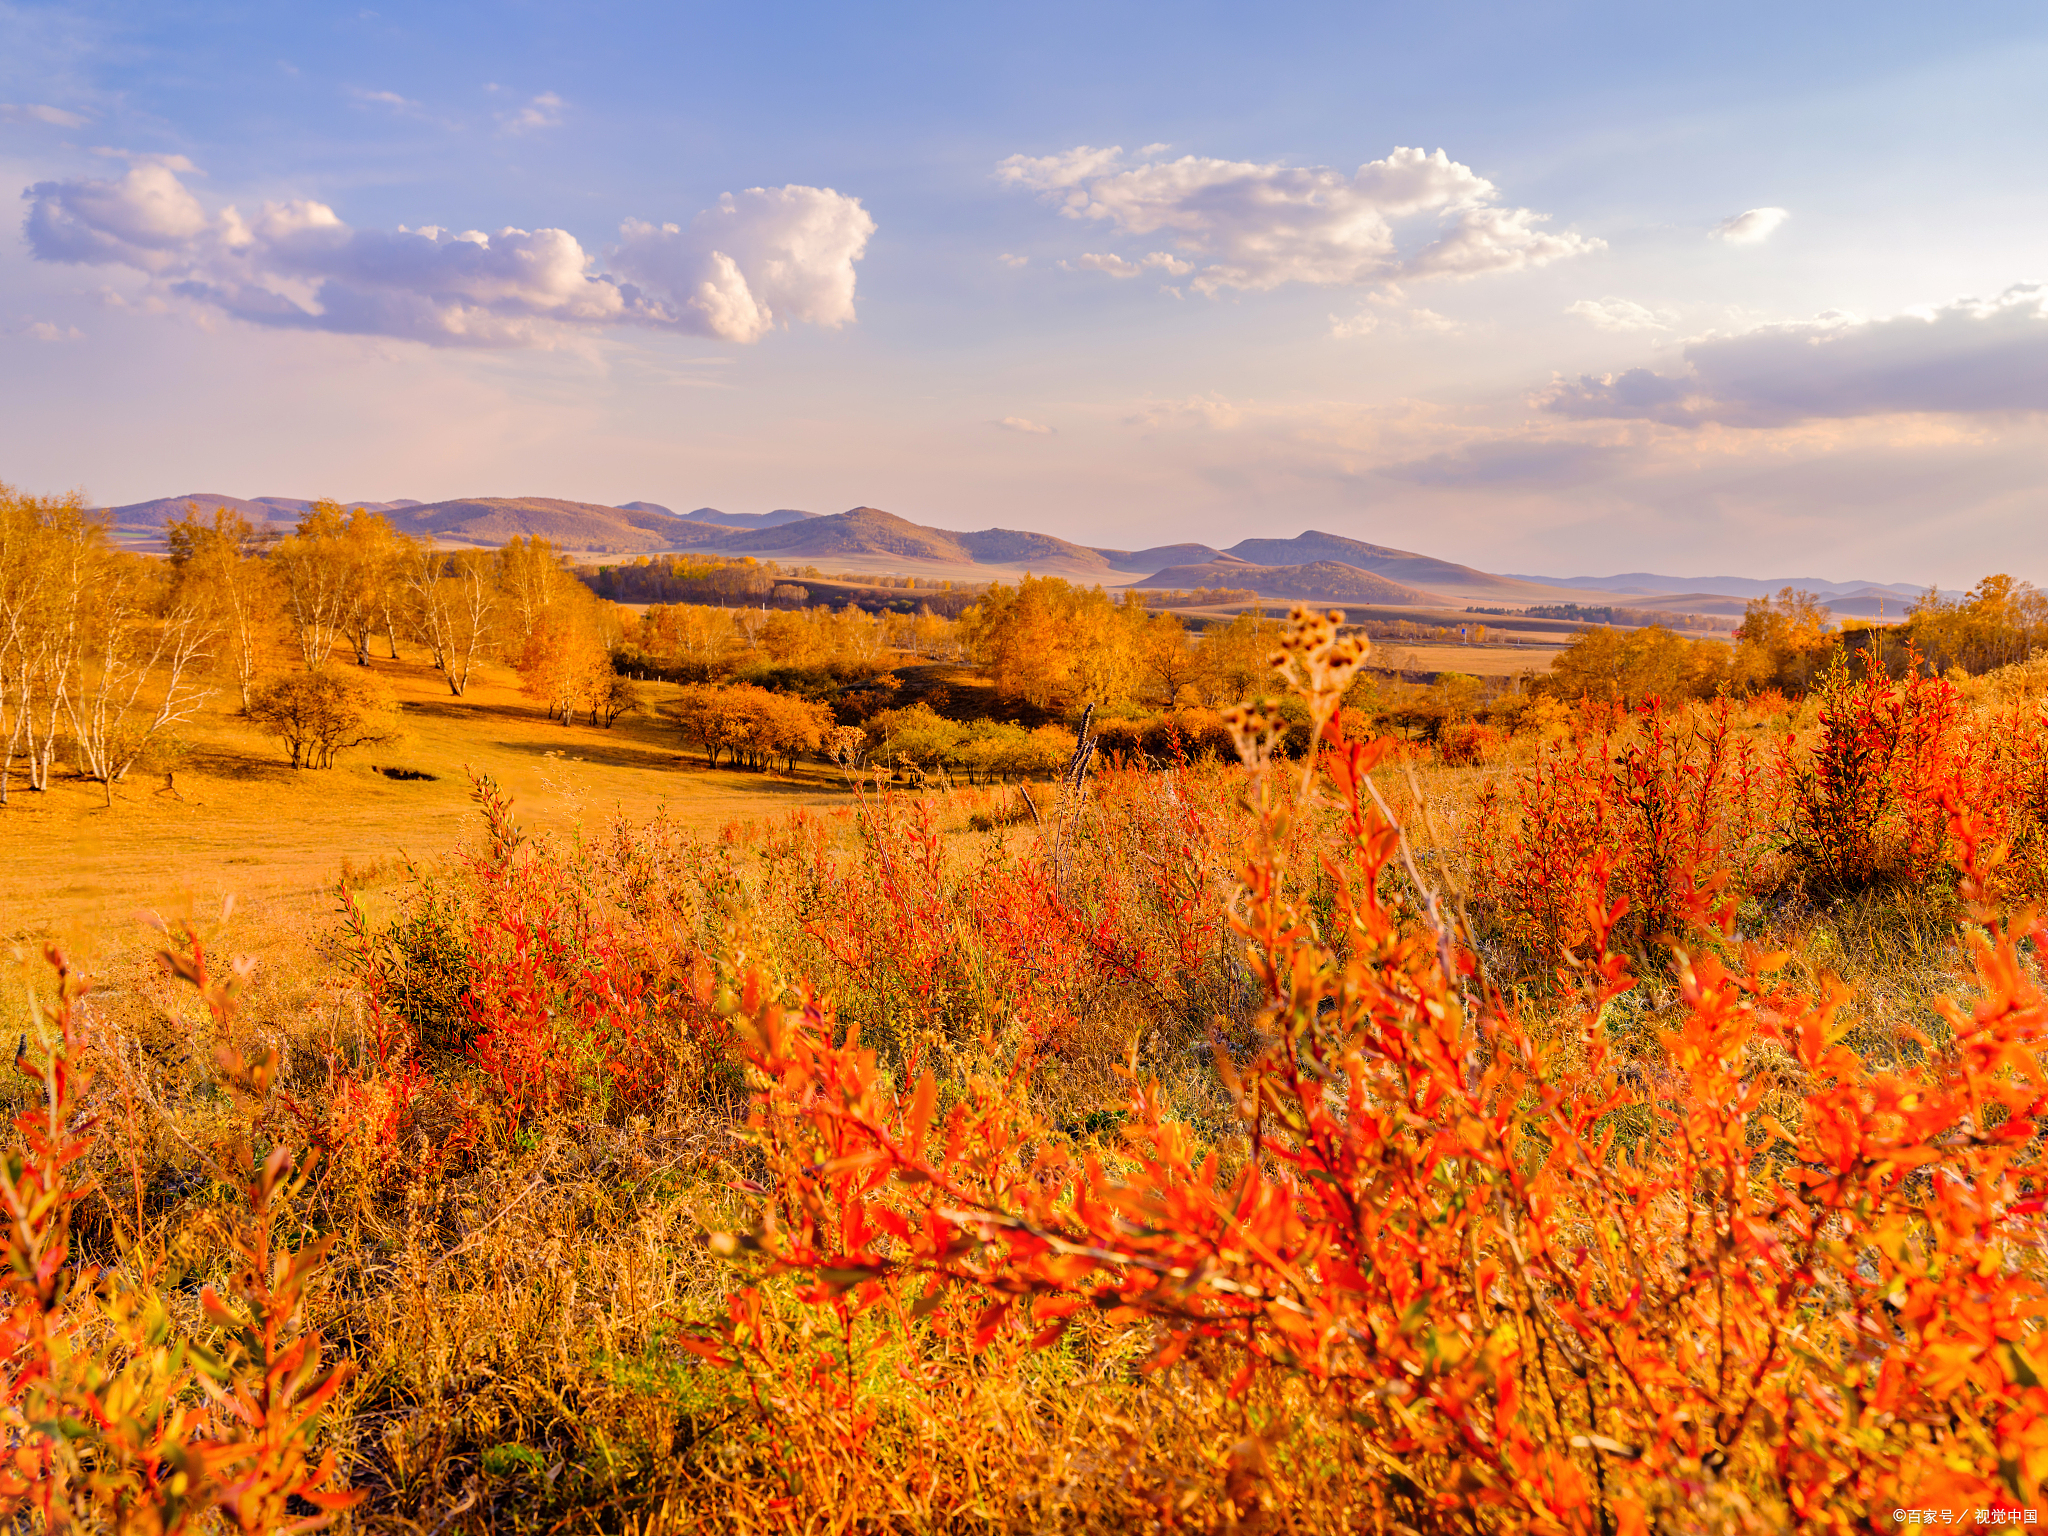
[1023, 424]
[762, 258]
[1751, 228]
[543, 111]
[31, 112]
[404, 105]
[1014, 261]
[1259, 225]
[1612, 314]
[46, 330]
[1116, 266]
[1970, 356]
[1050, 172]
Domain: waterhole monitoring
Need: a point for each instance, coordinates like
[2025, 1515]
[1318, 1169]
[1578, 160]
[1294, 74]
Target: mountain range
[1313, 565]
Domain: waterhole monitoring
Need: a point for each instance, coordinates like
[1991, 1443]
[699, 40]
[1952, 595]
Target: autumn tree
[220, 564]
[332, 569]
[1234, 659]
[98, 646]
[36, 609]
[320, 714]
[2000, 621]
[142, 644]
[533, 577]
[1784, 641]
[1631, 666]
[565, 662]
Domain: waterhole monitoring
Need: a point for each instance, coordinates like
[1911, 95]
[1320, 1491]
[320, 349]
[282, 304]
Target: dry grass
[514, 1312]
[241, 820]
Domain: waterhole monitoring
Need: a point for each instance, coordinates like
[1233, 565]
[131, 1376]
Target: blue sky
[1748, 288]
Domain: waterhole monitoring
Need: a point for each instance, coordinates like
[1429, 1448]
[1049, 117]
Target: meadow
[239, 819]
[1603, 1105]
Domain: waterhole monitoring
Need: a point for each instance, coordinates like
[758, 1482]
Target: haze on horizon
[1578, 289]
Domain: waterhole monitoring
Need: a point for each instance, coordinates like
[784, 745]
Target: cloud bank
[1255, 226]
[762, 258]
[1966, 357]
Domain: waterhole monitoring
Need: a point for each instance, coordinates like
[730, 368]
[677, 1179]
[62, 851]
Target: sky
[1550, 288]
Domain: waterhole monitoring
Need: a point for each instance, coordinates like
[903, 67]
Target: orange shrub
[1497, 1274]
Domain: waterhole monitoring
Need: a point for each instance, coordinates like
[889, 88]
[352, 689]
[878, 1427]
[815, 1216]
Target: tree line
[104, 651]
[1790, 640]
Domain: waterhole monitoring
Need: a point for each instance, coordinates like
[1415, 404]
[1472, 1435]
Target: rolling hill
[580, 525]
[1314, 565]
[1405, 567]
[776, 519]
[1328, 581]
[1159, 556]
[257, 509]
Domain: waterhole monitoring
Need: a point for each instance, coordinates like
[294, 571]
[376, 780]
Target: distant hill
[861, 531]
[583, 525]
[1398, 565]
[776, 519]
[1644, 583]
[1329, 581]
[259, 509]
[1311, 564]
[1040, 551]
[1158, 557]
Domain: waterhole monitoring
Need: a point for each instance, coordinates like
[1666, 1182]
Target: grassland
[238, 819]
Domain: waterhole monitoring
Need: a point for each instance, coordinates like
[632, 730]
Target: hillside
[257, 509]
[1040, 551]
[1647, 583]
[780, 517]
[1317, 580]
[871, 540]
[1398, 565]
[861, 531]
[1159, 556]
[567, 524]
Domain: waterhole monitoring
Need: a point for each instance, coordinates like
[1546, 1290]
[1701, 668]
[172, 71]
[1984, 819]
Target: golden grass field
[242, 821]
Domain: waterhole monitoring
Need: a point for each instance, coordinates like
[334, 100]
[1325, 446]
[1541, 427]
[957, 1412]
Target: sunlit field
[237, 818]
[1059, 1071]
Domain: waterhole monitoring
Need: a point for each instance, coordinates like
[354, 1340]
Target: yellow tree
[316, 570]
[219, 564]
[28, 595]
[129, 650]
[565, 665]
[532, 575]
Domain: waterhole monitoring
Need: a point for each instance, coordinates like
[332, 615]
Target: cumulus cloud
[49, 330]
[32, 112]
[1023, 424]
[1014, 261]
[1612, 314]
[762, 258]
[1255, 226]
[1971, 356]
[1751, 228]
